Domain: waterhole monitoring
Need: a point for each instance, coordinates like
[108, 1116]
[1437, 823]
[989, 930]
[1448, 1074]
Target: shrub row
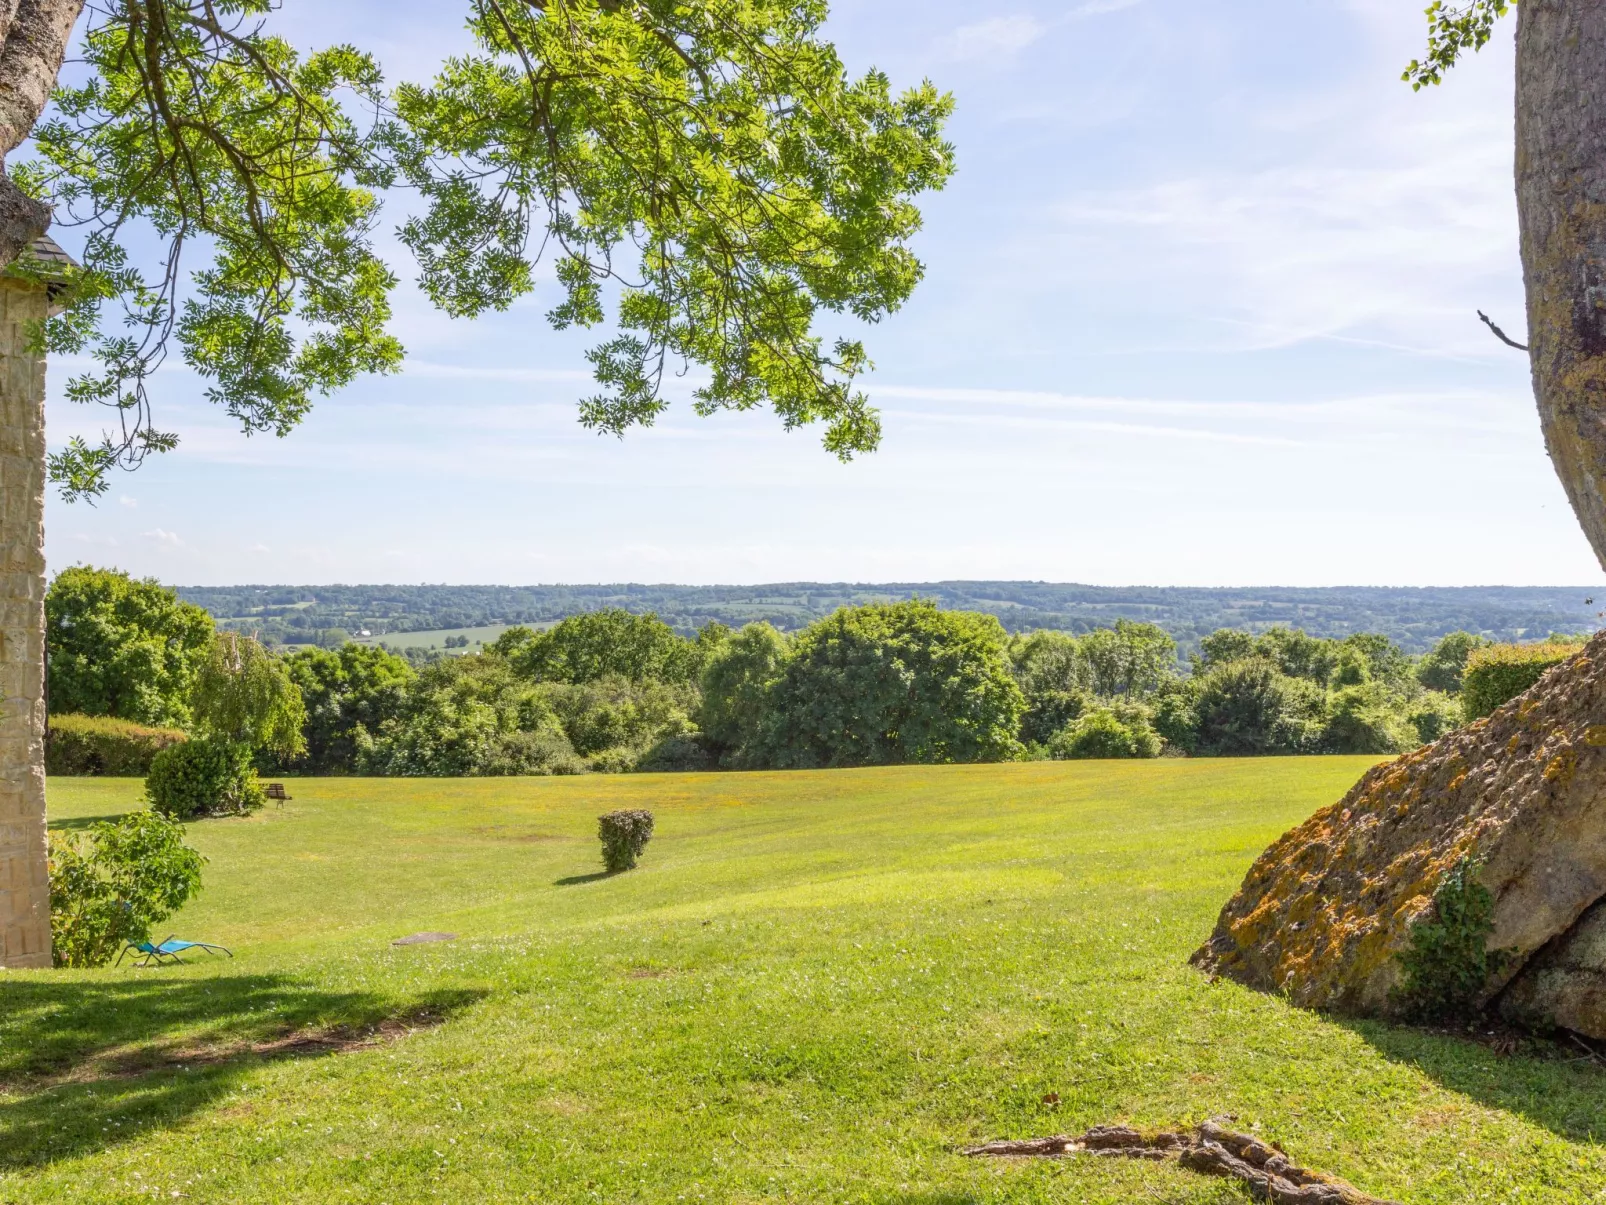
[1498, 673]
[84, 744]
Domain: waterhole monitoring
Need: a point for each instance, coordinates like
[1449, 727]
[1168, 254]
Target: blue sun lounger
[167, 952]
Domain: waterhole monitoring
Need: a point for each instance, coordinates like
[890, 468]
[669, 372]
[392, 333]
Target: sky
[1199, 310]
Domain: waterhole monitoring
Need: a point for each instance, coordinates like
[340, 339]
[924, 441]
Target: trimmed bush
[109, 886]
[209, 777]
[624, 835]
[1499, 673]
[98, 744]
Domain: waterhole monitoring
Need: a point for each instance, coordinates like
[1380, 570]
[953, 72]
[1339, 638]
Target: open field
[436, 639]
[814, 987]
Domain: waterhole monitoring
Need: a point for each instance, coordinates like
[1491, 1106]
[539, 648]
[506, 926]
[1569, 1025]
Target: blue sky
[1199, 310]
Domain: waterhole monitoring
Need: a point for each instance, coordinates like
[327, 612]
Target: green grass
[814, 988]
[436, 638]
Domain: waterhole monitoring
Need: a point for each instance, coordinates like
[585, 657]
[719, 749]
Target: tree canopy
[704, 180]
[244, 695]
[121, 646]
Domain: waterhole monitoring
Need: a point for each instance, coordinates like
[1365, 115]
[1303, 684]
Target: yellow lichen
[1561, 767]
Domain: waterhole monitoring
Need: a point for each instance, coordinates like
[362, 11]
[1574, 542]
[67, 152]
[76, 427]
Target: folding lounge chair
[167, 953]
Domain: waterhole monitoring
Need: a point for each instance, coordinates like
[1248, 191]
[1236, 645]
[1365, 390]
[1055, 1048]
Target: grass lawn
[815, 987]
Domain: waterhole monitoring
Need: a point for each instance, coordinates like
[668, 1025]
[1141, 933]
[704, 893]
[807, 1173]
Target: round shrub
[209, 777]
[1102, 732]
[624, 835]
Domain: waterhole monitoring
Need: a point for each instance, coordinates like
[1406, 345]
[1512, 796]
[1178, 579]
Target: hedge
[1498, 673]
[99, 744]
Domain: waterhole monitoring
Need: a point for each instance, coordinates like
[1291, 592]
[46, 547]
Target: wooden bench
[276, 793]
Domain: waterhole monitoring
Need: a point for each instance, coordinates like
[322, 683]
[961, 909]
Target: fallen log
[1209, 1149]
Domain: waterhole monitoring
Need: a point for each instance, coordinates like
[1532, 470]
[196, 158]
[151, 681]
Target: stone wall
[24, 882]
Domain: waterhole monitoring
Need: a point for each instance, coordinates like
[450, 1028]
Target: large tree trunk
[36, 33]
[36, 37]
[1561, 203]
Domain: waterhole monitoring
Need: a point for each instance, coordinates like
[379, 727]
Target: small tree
[244, 702]
[109, 886]
[243, 694]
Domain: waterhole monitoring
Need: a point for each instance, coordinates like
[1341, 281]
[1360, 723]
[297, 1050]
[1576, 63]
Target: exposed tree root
[1208, 1149]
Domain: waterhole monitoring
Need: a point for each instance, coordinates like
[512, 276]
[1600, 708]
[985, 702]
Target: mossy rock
[1326, 916]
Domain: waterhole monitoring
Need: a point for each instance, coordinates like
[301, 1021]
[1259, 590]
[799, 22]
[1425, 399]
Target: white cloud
[130, 503]
[163, 537]
[1094, 8]
[997, 37]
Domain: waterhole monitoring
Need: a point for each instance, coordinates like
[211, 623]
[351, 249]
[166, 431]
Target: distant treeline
[1413, 618]
[870, 684]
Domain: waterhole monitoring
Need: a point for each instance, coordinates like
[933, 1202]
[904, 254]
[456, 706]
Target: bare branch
[1500, 334]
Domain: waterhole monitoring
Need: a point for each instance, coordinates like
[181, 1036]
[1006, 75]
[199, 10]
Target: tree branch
[1500, 334]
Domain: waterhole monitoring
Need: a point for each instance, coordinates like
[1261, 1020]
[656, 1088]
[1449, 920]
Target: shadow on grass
[86, 1065]
[575, 879]
[1560, 1089]
[79, 823]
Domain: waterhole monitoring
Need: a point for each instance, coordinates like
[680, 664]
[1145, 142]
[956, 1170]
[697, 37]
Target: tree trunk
[24, 879]
[1561, 205]
[36, 33]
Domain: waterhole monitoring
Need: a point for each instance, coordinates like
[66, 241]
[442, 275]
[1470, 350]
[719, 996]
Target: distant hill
[1414, 617]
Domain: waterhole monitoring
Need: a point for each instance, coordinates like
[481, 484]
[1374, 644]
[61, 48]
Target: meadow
[437, 638]
[815, 988]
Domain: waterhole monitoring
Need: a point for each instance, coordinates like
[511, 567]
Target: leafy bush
[1498, 673]
[601, 644]
[1107, 732]
[121, 647]
[682, 752]
[1448, 962]
[111, 884]
[357, 685]
[82, 744]
[618, 720]
[894, 683]
[469, 716]
[1442, 666]
[1053, 675]
[206, 777]
[624, 835]
[1365, 719]
[736, 682]
[1432, 714]
[1249, 707]
[1174, 712]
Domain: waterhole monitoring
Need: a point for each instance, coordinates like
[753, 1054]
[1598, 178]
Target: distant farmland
[1413, 617]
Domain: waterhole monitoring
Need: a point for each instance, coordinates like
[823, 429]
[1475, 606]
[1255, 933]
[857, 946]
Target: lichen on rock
[1325, 914]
